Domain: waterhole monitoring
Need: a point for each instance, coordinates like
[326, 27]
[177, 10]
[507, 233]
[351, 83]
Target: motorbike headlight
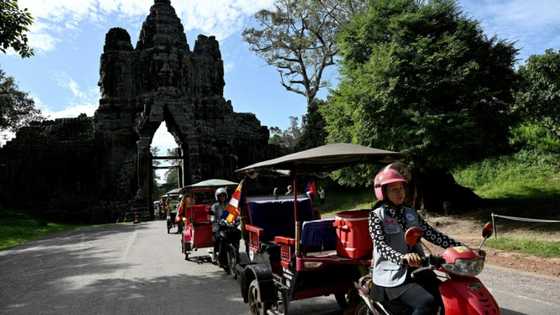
[464, 267]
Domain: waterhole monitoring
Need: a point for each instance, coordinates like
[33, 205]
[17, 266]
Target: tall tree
[299, 39]
[17, 109]
[420, 77]
[538, 98]
[14, 24]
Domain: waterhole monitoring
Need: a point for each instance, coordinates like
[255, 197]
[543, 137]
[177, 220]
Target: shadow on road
[82, 272]
[505, 311]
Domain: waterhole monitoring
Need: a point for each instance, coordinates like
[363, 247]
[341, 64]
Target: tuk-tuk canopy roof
[213, 183]
[326, 158]
[172, 192]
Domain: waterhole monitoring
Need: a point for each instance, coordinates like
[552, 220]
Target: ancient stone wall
[159, 80]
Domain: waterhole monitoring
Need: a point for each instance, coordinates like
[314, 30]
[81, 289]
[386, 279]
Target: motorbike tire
[363, 309]
[232, 261]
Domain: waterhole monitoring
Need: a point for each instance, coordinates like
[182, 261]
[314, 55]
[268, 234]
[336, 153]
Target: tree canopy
[538, 98]
[298, 38]
[17, 109]
[420, 77]
[14, 24]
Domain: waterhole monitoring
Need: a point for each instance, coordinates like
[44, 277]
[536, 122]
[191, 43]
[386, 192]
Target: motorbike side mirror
[487, 230]
[413, 235]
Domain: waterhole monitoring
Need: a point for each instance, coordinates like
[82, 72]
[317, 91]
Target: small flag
[233, 206]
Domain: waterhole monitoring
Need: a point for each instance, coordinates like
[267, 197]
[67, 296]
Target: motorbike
[460, 290]
[228, 237]
[170, 221]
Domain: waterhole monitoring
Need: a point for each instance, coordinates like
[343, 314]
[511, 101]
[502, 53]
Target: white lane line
[526, 298]
[129, 245]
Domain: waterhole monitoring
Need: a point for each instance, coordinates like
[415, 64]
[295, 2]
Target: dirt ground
[469, 230]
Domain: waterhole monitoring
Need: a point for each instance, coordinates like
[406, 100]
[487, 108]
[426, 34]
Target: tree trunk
[436, 191]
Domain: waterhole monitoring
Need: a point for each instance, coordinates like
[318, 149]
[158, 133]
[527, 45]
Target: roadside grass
[351, 199]
[524, 175]
[17, 227]
[535, 247]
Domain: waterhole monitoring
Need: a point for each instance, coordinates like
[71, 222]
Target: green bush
[535, 136]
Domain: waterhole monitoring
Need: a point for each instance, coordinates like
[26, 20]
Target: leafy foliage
[313, 125]
[538, 98]
[419, 77]
[17, 109]
[535, 136]
[288, 138]
[526, 174]
[14, 24]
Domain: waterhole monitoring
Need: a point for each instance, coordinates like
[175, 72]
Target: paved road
[137, 269]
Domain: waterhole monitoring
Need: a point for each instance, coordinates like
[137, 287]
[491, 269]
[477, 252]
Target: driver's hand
[413, 259]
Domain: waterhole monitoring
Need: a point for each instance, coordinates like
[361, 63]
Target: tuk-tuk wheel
[256, 305]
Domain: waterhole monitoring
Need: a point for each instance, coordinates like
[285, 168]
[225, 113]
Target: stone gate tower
[161, 79]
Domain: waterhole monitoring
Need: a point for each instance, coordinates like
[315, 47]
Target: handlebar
[430, 262]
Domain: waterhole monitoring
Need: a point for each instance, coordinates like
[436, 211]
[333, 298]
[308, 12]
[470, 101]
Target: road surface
[138, 269]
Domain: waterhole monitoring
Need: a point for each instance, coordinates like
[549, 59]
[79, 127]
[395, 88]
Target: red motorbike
[461, 291]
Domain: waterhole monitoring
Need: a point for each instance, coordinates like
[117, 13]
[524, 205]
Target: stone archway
[163, 80]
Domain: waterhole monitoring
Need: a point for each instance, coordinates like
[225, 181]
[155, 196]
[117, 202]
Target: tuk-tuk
[293, 254]
[198, 232]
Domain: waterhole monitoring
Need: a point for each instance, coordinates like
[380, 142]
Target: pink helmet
[386, 176]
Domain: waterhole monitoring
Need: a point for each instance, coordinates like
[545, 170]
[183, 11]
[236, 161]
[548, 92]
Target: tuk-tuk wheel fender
[263, 274]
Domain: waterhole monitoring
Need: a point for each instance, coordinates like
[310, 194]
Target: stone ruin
[98, 168]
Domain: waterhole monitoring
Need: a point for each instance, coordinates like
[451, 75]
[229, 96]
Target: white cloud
[532, 25]
[5, 136]
[71, 112]
[83, 100]
[218, 17]
[228, 67]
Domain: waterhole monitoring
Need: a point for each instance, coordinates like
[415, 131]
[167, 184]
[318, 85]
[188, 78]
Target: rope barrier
[525, 219]
[517, 219]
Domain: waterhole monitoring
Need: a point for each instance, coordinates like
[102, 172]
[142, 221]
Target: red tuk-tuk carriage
[197, 218]
[293, 255]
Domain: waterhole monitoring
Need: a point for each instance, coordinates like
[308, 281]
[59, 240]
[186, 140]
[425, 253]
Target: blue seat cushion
[318, 235]
[276, 216]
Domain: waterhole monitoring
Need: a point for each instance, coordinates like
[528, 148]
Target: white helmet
[220, 191]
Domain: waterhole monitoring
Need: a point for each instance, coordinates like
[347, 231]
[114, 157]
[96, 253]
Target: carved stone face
[164, 69]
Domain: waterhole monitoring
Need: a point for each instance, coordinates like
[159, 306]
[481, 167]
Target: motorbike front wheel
[363, 309]
[232, 258]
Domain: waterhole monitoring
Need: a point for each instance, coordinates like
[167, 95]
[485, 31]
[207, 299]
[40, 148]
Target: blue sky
[68, 38]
